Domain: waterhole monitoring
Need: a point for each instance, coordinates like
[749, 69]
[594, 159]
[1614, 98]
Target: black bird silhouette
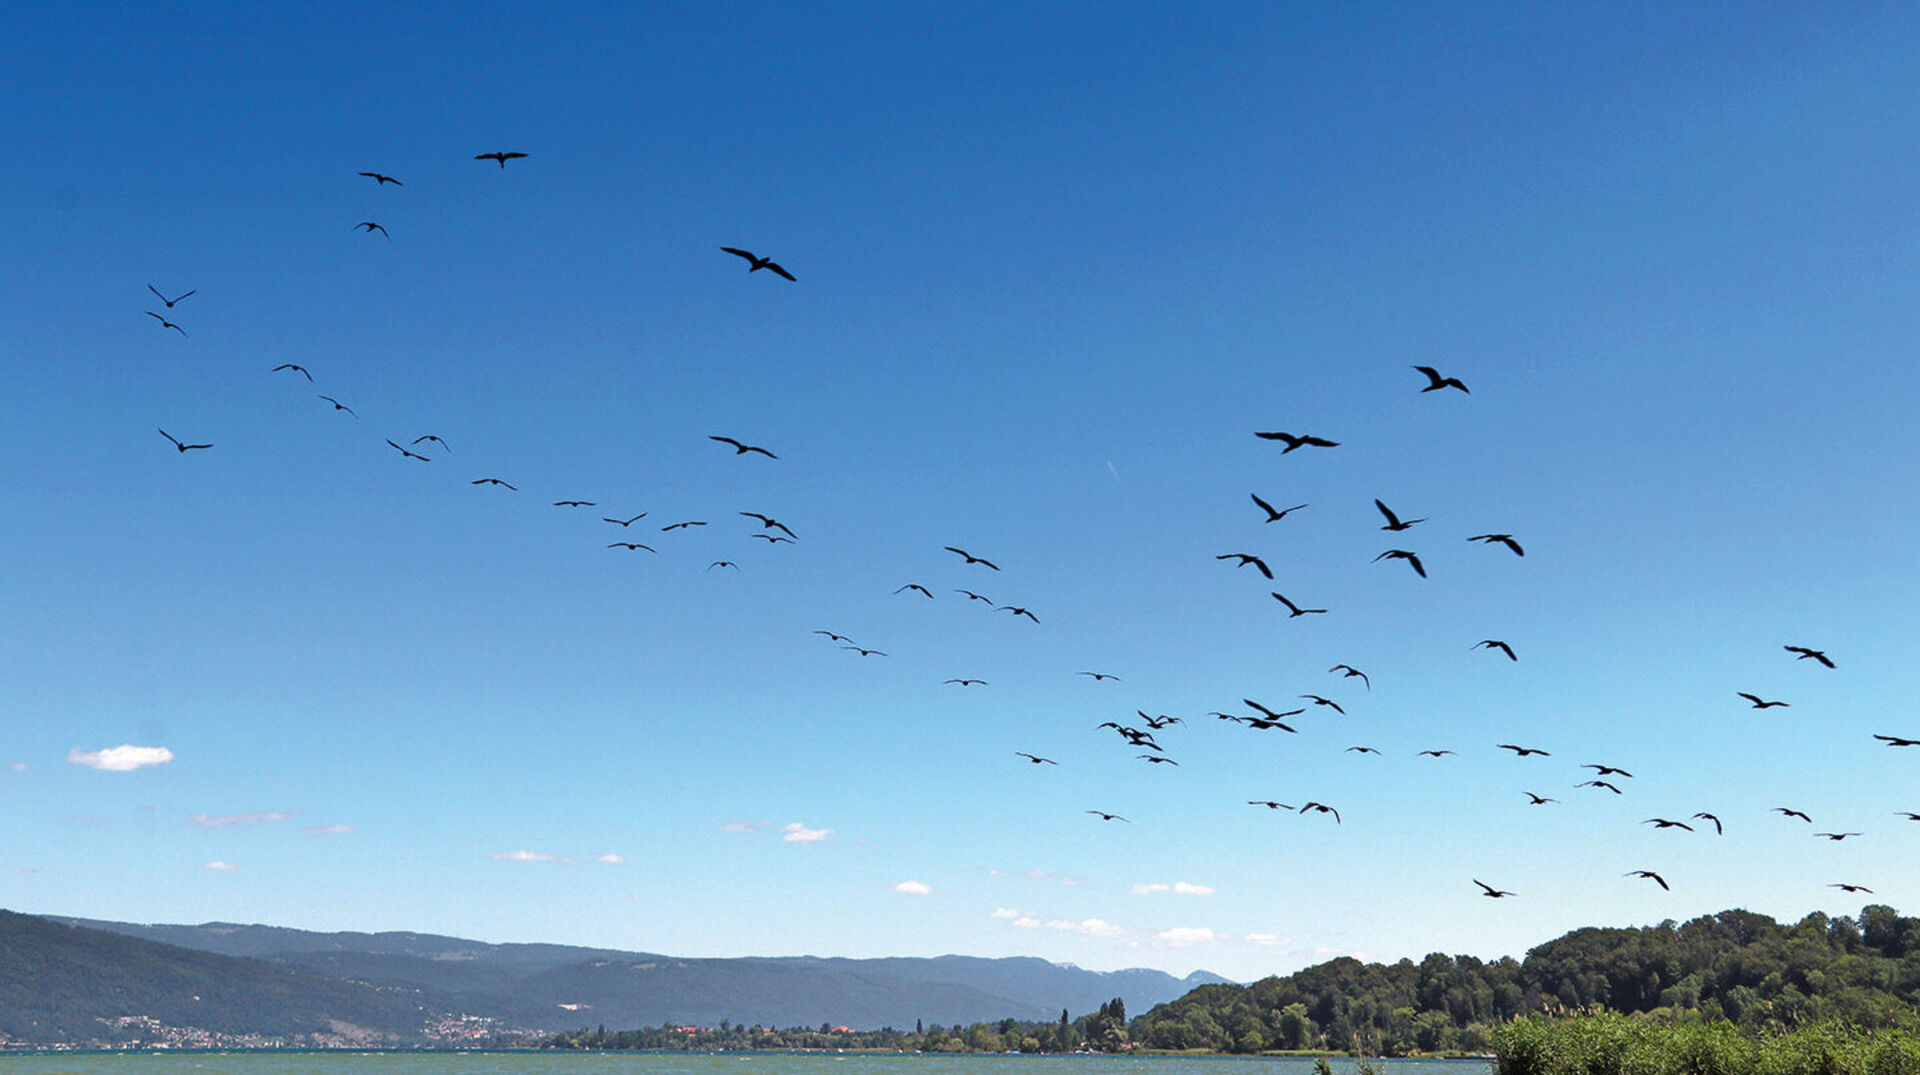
[1852, 888]
[168, 301]
[1293, 442]
[575, 504]
[1157, 759]
[371, 228]
[755, 264]
[1270, 714]
[1494, 643]
[1159, 722]
[339, 406]
[1599, 784]
[1435, 382]
[1272, 515]
[969, 682]
[630, 546]
[434, 439]
[1537, 800]
[493, 481]
[1792, 813]
[1245, 559]
[773, 539]
[1896, 741]
[1349, 672]
[1361, 750]
[1104, 816]
[408, 454]
[1017, 611]
[1805, 653]
[1035, 758]
[1259, 724]
[971, 596]
[1097, 676]
[682, 526]
[862, 651]
[723, 563]
[1758, 703]
[1836, 837]
[1522, 752]
[1393, 521]
[1607, 770]
[180, 446]
[1402, 554]
[768, 522]
[1269, 804]
[1649, 875]
[1504, 539]
[1492, 892]
[742, 449]
[971, 558]
[1317, 700]
[917, 588]
[834, 637]
[379, 180]
[1294, 610]
[1663, 823]
[624, 522]
[503, 158]
[1908, 814]
[1433, 753]
[1719, 829]
[164, 323]
[1321, 808]
[301, 370]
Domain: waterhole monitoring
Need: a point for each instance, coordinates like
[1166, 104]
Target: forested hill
[1736, 965]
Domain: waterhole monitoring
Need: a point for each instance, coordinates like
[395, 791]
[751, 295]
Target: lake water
[637, 1063]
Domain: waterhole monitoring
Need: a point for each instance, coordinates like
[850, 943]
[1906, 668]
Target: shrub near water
[1610, 1044]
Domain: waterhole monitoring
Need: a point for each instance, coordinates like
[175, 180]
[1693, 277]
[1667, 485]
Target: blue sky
[1056, 265]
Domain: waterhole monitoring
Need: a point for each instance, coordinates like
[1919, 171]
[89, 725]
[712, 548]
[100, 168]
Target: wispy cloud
[216, 864]
[1184, 936]
[1087, 927]
[1008, 912]
[17, 766]
[328, 830]
[121, 759]
[914, 888]
[610, 858]
[743, 826]
[1180, 887]
[1039, 875]
[796, 833]
[214, 821]
[523, 856]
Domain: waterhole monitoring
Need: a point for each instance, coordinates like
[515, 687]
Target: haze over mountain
[548, 986]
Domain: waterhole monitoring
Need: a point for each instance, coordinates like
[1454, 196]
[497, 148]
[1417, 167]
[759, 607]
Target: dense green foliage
[1104, 1030]
[1614, 1044]
[1735, 966]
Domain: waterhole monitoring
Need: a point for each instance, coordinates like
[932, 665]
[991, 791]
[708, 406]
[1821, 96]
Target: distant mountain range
[384, 984]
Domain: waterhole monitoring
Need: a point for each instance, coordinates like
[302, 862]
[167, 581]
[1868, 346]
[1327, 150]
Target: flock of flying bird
[1141, 736]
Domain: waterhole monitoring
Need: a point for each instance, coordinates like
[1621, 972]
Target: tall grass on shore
[1613, 1044]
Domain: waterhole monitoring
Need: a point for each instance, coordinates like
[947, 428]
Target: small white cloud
[610, 858]
[121, 759]
[218, 865]
[214, 821]
[1182, 887]
[1027, 921]
[329, 830]
[1184, 936]
[17, 766]
[800, 834]
[1008, 912]
[914, 888]
[1266, 940]
[523, 856]
[1091, 927]
[741, 826]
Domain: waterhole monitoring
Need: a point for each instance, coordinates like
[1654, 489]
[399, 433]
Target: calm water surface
[683, 1064]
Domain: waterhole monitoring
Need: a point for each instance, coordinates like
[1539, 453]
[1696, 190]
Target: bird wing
[1392, 519]
[737, 252]
[779, 270]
